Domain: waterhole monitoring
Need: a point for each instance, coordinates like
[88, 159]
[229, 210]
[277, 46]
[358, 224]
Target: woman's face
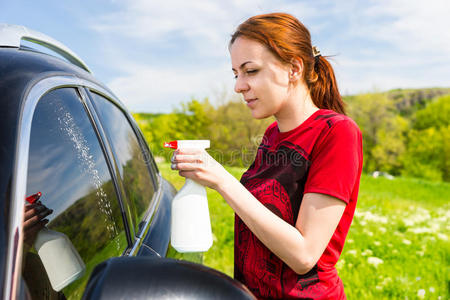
[260, 77]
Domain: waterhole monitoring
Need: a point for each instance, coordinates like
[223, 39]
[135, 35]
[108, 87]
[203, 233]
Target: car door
[137, 171]
[68, 165]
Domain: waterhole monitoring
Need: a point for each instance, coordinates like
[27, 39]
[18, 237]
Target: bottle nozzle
[172, 144]
[186, 144]
[33, 198]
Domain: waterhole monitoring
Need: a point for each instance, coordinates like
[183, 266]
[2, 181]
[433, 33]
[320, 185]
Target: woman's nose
[241, 85]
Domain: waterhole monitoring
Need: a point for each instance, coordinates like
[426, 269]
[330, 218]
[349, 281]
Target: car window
[133, 159]
[67, 165]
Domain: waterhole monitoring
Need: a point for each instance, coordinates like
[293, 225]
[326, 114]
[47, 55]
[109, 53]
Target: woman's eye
[248, 72]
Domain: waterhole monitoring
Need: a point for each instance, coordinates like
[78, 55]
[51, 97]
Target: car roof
[20, 69]
[13, 35]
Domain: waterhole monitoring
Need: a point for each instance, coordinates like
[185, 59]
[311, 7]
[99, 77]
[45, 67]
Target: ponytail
[287, 38]
[323, 87]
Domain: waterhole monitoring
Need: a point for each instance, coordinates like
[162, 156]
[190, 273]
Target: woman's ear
[296, 70]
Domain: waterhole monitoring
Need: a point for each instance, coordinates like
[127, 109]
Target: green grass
[403, 224]
[113, 249]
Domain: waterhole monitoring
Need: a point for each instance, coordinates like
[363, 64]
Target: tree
[435, 114]
[236, 134]
[387, 143]
[391, 145]
[193, 121]
[425, 157]
[374, 114]
[428, 152]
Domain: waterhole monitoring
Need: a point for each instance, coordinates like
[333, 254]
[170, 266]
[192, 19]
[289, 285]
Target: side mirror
[160, 278]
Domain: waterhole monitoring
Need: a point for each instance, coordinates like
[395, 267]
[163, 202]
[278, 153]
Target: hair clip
[316, 51]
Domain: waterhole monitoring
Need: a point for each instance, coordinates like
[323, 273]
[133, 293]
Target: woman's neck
[296, 110]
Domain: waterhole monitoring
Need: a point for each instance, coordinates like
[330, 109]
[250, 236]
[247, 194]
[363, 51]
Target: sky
[155, 55]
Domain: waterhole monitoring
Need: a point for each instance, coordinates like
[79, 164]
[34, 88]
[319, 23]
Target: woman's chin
[259, 115]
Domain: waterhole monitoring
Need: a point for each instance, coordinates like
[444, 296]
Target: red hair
[287, 38]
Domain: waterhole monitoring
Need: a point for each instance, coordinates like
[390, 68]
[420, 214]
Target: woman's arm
[300, 247]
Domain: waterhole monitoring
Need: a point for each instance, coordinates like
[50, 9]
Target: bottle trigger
[172, 144]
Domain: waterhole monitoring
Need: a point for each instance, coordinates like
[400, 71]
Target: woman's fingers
[198, 165]
[187, 174]
[31, 222]
[34, 221]
[189, 155]
[35, 214]
[186, 166]
[187, 158]
[35, 228]
[33, 209]
[189, 151]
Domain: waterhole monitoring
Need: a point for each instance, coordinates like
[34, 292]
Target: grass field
[397, 247]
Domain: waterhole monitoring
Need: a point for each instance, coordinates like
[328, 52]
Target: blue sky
[156, 54]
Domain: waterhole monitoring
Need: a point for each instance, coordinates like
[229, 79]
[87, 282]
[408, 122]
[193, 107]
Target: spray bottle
[61, 260]
[191, 225]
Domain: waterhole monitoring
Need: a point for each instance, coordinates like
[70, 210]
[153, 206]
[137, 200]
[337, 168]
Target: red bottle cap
[172, 144]
[33, 198]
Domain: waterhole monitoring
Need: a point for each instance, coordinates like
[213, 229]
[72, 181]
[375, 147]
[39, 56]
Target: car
[66, 136]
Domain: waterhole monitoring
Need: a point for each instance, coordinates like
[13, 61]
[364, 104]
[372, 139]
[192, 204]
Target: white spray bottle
[191, 225]
[61, 260]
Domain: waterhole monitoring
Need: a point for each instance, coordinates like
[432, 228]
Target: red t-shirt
[322, 155]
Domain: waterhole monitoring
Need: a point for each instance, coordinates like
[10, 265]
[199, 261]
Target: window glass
[67, 165]
[133, 160]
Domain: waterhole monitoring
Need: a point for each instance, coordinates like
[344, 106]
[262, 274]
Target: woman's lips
[251, 102]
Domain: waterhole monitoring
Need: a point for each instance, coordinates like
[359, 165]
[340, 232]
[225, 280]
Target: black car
[65, 135]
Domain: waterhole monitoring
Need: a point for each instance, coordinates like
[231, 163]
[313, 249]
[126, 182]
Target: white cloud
[156, 89]
[204, 23]
[384, 44]
[406, 46]
[412, 26]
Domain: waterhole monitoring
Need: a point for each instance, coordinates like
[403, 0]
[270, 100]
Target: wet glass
[67, 165]
[134, 162]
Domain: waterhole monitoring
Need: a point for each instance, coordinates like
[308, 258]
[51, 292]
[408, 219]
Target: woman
[295, 203]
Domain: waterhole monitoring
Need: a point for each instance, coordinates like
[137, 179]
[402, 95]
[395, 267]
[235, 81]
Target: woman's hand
[34, 221]
[198, 165]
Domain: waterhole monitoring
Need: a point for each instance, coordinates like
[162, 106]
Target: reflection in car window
[67, 165]
[133, 162]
